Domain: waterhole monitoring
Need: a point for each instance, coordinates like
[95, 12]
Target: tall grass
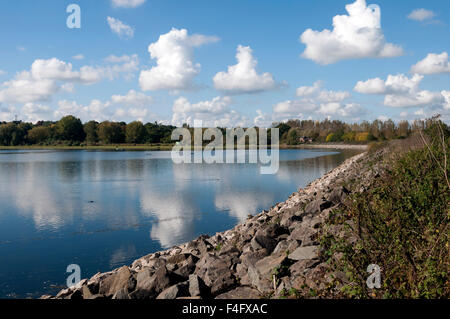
[401, 223]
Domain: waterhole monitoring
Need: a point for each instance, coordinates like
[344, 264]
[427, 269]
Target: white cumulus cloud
[316, 93]
[446, 106]
[23, 88]
[47, 77]
[175, 67]
[318, 102]
[121, 29]
[243, 77]
[214, 113]
[55, 69]
[132, 98]
[356, 35]
[306, 91]
[295, 107]
[400, 91]
[421, 15]
[127, 3]
[432, 64]
[125, 64]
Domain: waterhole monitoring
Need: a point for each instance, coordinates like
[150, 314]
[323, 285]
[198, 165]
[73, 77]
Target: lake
[102, 210]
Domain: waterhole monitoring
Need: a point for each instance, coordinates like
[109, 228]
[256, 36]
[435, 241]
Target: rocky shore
[274, 254]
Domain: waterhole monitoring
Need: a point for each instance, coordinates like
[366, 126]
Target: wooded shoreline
[168, 147]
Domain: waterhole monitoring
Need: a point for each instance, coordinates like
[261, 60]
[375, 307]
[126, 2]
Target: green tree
[12, 134]
[70, 128]
[293, 137]
[39, 134]
[110, 132]
[158, 133]
[90, 129]
[283, 128]
[135, 132]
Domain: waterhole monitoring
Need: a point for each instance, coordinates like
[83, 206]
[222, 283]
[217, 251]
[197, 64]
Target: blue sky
[104, 71]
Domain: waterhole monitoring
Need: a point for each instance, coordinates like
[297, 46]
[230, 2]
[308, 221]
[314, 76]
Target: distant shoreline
[167, 147]
[362, 147]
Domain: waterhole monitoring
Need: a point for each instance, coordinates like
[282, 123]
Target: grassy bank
[400, 222]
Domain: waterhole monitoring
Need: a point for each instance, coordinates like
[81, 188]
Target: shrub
[362, 137]
[349, 137]
[333, 137]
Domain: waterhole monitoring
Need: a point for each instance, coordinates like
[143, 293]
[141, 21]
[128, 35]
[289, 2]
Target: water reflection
[240, 205]
[174, 217]
[122, 255]
[104, 209]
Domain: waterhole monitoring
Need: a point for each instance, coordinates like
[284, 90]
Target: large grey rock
[196, 286]
[150, 285]
[252, 257]
[317, 206]
[290, 217]
[176, 291]
[287, 246]
[338, 195]
[274, 230]
[284, 286]
[87, 293]
[110, 285]
[304, 234]
[121, 294]
[242, 274]
[261, 274]
[263, 241]
[305, 253]
[240, 293]
[187, 267]
[199, 246]
[177, 258]
[299, 268]
[215, 273]
[282, 247]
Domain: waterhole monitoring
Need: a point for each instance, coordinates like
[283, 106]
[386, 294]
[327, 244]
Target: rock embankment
[271, 255]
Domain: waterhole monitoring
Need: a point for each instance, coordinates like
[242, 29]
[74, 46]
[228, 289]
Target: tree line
[292, 131]
[71, 131]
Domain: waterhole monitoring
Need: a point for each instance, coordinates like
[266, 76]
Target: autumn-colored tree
[135, 132]
[39, 134]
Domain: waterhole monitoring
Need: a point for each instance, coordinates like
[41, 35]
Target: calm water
[101, 210]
